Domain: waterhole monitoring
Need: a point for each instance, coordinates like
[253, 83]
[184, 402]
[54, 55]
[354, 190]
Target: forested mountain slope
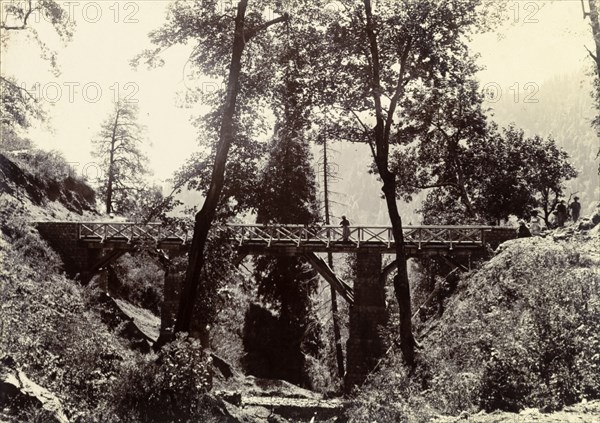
[562, 108]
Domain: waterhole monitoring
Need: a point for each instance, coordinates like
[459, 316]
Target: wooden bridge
[296, 239]
[89, 248]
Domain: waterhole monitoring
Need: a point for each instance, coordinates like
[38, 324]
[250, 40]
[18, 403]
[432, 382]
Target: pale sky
[543, 39]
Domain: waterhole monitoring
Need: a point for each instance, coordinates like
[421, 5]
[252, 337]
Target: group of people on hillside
[558, 219]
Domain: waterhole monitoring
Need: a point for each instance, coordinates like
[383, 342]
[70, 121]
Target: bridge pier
[174, 278]
[368, 313]
[173, 286]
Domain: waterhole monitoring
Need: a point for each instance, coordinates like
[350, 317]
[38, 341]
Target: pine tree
[123, 163]
[287, 284]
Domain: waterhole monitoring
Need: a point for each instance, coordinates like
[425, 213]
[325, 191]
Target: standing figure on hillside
[523, 231]
[345, 229]
[561, 210]
[535, 225]
[575, 208]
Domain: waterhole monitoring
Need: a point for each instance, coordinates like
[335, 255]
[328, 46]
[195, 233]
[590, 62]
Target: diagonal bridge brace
[324, 270]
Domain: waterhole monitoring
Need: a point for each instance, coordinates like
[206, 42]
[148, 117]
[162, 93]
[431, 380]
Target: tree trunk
[339, 352]
[111, 163]
[401, 282]
[382, 143]
[595, 21]
[206, 215]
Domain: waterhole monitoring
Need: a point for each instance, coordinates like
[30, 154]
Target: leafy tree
[18, 106]
[514, 174]
[241, 176]
[507, 173]
[443, 121]
[593, 14]
[375, 58]
[118, 146]
[476, 173]
[218, 35]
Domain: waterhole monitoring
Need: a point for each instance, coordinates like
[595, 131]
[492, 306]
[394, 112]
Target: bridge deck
[293, 239]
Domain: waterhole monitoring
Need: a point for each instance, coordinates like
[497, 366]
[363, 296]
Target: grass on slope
[48, 327]
[521, 332]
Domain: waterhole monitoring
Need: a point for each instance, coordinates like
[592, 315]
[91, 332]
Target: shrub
[169, 387]
[45, 165]
[27, 247]
[141, 281]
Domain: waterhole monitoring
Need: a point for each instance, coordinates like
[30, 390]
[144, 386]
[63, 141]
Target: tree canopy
[123, 162]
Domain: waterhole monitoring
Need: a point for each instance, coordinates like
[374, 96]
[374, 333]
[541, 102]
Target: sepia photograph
[299, 211]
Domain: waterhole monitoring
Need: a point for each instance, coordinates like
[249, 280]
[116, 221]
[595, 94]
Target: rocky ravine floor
[586, 412]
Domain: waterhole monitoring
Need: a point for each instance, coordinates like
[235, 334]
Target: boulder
[18, 392]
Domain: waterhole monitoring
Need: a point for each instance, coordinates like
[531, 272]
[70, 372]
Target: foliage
[520, 173]
[141, 280]
[167, 388]
[286, 193]
[248, 25]
[51, 330]
[442, 121]
[123, 163]
[521, 332]
[208, 27]
[19, 14]
[377, 55]
[473, 171]
[46, 175]
[27, 246]
[241, 178]
[45, 165]
[18, 107]
[45, 323]
[505, 173]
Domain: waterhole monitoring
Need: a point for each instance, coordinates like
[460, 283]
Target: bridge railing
[269, 235]
[130, 231]
[359, 235]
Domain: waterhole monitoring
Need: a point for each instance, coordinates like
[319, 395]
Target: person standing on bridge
[345, 229]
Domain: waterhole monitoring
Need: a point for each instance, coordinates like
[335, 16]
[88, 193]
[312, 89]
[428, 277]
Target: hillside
[522, 332]
[40, 182]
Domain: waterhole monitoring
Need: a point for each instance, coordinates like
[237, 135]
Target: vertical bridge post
[365, 346]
